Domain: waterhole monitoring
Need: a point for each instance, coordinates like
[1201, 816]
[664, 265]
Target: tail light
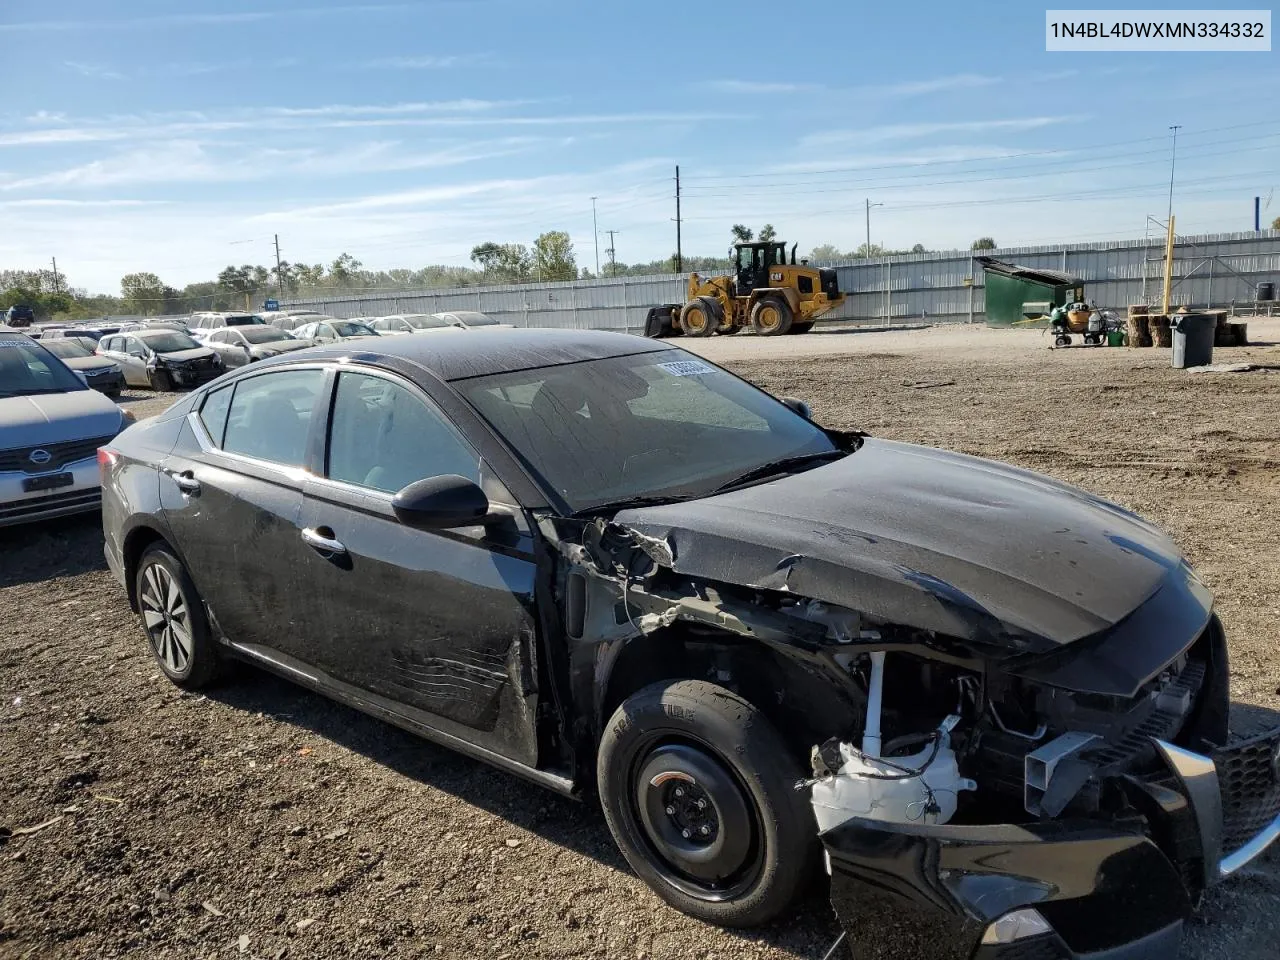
[107, 458]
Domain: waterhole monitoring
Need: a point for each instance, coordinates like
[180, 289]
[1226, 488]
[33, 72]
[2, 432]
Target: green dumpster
[1010, 288]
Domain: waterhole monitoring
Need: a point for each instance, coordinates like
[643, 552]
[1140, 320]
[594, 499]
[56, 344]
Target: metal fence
[948, 287]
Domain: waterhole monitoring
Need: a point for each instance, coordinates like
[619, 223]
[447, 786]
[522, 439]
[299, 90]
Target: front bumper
[82, 495]
[193, 376]
[110, 381]
[1108, 891]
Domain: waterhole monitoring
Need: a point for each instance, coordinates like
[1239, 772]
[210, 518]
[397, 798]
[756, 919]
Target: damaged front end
[984, 793]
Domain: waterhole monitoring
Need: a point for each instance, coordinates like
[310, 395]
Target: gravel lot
[263, 821]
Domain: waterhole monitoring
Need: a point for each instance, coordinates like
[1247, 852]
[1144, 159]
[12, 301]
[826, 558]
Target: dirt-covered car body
[1000, 702]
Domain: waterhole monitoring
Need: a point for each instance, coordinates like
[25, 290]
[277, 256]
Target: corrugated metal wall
[913, 286]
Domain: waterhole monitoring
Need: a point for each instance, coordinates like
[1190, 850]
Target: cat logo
[775, 277]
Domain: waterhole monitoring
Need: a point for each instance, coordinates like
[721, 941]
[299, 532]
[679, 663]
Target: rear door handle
[322, 540]
[185, 481]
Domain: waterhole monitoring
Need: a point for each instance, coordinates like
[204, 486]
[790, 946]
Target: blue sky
[179, 137]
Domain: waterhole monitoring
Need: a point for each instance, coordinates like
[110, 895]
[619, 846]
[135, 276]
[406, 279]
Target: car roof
[458, 355]
[147, 332]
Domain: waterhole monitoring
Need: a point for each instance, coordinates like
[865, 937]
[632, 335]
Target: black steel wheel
[698, 789]
[161, 381]
[173, 618]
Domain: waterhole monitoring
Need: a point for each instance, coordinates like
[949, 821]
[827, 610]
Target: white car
[202, 324]
[472, 320]
[240, 345]
[51, 426]
[402, 323]
[329, 331]
[161, 359]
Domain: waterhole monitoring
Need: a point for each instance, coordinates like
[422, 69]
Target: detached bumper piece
[1059, 890]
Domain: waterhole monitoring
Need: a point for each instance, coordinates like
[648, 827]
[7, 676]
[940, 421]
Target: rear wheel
[698, 789]
[173, 618]
[771, 317]
[699, 318]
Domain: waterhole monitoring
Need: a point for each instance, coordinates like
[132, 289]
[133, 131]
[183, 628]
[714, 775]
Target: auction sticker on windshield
[686, 368]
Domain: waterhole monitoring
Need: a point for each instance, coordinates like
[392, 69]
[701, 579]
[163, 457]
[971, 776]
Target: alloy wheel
[167, 618]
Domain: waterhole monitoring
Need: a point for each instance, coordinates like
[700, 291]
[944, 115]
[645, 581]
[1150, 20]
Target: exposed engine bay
[1012, 758]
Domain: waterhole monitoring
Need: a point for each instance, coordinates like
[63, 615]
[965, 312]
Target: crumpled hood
[181, 356]
[56, 417]
[927, 538]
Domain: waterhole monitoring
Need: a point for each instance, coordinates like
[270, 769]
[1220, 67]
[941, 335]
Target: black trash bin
[1193, 339]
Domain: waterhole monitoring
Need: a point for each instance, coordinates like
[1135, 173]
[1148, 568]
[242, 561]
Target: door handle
[185, 481]
[321, 539]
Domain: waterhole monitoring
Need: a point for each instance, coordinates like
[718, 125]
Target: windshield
[66, 349]
[654, 424]
[423, 321]
[26, 369]
[472, 319]
[169, 342]
[347, 329]
[265, 335]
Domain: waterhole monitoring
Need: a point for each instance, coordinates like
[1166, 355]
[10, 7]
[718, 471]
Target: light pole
[595, 233]
[1173, 159]
[869, 206]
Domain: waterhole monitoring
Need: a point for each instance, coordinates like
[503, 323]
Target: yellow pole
[1168, 267]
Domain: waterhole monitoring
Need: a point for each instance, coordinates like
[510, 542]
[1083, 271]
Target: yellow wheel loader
[764, 292]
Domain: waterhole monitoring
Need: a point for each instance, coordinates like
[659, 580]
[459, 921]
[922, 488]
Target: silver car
[240, 345]
[161, 359]
[328, 331]
[410, 323]
[51, 426]
[472, 320]
[101, 373]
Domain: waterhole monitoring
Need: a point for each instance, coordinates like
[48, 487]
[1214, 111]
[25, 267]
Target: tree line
[550, 258]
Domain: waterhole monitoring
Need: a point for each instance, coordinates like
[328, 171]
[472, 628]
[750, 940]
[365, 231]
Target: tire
[771, 317]
[798, 328]
[688, 741]
[698, 319]
[161, 381]
[190, 662]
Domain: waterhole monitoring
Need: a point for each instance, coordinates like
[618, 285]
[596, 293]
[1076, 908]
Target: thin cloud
[908, 131]
[201, 19]
[429, 62]
[760, 87]
[916, 88]
[94, 71]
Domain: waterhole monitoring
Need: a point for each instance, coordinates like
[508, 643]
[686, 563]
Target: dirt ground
[263, 821]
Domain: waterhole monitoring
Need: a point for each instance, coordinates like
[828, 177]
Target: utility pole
[57, 287]
[1173, 159]
[869, 206]
[279, 271]
[679, 249]
[613, 259]
[595, 233]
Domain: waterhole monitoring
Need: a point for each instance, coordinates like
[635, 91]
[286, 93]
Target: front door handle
[321, 539]
[185, 481]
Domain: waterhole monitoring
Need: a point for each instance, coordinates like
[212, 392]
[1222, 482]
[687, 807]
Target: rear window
[213, 412]
[270, 416]
[244, 321]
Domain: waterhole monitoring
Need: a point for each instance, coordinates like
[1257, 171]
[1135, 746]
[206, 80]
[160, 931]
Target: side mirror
[799, 406]
[440, 503]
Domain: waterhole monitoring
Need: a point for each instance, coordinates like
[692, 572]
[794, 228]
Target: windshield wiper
[628, 502]
[773, 467]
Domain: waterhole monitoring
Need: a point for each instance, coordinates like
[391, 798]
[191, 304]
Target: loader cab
[752, 262]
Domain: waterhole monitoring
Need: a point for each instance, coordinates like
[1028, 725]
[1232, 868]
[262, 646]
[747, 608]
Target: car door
[132, 357]
[438, 624]
[231, 491]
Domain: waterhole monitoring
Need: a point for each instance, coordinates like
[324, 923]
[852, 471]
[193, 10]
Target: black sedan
[997, 704]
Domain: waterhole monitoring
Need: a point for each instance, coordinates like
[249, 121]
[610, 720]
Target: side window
[134, 346]
[384, 437]
[213, 412]
[218, 337]
[270, 415]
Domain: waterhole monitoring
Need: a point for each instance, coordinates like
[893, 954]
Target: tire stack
[1137, 327]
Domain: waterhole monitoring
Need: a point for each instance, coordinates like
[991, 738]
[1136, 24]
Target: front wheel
[161, 381]
[699, 317]
[698, 789]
